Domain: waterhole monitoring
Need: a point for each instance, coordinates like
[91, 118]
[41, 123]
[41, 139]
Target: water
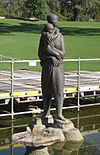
[87, 121]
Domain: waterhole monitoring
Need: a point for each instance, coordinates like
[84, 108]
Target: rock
[40, 137]
[36, 124]
[22, 138]
[48, 136]
[47, 121]
[38, 134]
[65, 125]
[73, 135]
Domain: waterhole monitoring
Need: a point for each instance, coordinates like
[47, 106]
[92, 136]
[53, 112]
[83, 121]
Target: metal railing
[12, 63]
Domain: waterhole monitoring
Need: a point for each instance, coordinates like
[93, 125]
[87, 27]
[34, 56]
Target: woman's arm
[51, 51]
[40, 52]
[62, 48]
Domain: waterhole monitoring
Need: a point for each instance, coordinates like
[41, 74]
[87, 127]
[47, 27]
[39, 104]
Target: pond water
[87, 121]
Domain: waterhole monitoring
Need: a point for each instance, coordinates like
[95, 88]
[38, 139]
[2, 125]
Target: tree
[5, 6]
[37, 8]
[75, 9]
[72, 8]
[54, 5]
[92, 8]
[2, 11]
[20, 9]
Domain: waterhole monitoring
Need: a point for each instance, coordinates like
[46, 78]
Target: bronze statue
[51, 53]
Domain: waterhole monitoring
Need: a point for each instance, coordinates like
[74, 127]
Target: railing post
[78, 83]
[12, 89]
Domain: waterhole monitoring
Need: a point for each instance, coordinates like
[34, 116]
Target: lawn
[20, 39]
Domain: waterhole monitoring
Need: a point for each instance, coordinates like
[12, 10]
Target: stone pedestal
[73, 135]
[38, 127]
[47, 121]
[35, 125]
[64, 125]
[38, 134]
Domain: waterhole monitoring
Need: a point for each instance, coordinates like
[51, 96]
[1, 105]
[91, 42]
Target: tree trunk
[75, 14]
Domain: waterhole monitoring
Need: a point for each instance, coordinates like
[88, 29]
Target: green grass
[20, 39]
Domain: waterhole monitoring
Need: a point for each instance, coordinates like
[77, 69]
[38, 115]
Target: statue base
[64, 125]
[73, 135]
[38, 134]
[47, 121]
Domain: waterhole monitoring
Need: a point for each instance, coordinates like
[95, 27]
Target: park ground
[20, 39]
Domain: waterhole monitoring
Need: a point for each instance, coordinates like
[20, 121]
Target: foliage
[11, 8]
[75, 9]
[54, 6]
[37, 8]
[70, 9]
[91, 8]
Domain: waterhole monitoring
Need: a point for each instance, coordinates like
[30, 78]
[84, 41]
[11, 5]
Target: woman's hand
[56, 62]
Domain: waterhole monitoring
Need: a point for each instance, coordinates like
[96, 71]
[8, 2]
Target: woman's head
[52, 18]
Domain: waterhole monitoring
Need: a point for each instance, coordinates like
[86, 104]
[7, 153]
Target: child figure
[51, 33]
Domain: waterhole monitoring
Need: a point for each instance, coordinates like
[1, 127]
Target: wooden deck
[28, 83]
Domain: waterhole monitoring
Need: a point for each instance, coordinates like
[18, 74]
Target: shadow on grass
[23, 27]
[80, 31]
[6, 28]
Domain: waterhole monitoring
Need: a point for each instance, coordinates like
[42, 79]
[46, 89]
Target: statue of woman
[51, 53]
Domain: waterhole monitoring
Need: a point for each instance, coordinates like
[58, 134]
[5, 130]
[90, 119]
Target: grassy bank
[19, 39]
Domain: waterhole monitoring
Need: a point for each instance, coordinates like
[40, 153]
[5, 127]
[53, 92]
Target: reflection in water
[66, 148]
[56, 149]
[91, 145]
[36, 151]
[88, 121]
